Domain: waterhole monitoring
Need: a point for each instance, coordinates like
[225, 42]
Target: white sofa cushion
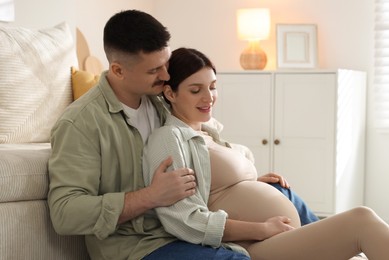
[27, 233]
[25, 226]
[23, 172]
[35, 85]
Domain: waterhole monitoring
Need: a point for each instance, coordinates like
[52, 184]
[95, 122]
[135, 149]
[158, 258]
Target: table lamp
[253, 26]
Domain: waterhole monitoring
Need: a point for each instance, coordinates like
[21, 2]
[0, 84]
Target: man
[96, 183]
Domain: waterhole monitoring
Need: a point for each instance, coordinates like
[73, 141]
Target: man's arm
[75, 170]
[76, 207]
[165, 190]
[274, 178]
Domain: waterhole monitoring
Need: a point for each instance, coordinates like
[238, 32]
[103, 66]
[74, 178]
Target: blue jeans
[184, 250]
[306, 215]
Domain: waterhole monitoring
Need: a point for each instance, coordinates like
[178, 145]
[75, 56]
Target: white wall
[345, 36]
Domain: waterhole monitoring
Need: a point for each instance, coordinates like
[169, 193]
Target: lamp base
[253, 57]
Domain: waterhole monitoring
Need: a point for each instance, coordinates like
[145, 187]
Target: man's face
[146, 76]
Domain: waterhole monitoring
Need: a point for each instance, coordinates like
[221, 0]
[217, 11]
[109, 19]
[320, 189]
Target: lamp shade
[253, 24]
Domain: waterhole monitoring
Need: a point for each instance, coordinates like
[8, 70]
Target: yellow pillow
[82, 81]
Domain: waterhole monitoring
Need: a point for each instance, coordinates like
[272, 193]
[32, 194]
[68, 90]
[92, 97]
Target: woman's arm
[236, 230]
[188, 219]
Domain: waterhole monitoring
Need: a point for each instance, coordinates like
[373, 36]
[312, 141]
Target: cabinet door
[305, 125]
[244, 108]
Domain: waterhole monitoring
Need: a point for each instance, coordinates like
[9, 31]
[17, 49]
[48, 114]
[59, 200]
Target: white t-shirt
[145, 118]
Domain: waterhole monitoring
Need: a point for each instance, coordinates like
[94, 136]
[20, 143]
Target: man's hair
[134, 31]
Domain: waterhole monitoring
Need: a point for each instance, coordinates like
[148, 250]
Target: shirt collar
[115, 106]
[186, 131]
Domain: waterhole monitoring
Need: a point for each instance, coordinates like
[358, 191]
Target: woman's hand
[276, 225]
[274, 178]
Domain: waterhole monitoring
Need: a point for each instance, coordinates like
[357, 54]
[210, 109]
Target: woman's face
[194, 99]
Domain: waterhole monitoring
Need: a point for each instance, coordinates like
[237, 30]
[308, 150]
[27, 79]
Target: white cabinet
[308, 126]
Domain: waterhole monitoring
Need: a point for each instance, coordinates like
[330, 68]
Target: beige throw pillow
[35, 81]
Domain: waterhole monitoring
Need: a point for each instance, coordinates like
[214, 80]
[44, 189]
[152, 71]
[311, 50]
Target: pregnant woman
[230, 207]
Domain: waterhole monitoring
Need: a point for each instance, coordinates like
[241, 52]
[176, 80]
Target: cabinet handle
[277, 142]
[264, 142]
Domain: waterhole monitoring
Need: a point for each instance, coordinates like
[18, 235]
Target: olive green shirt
[96, 158]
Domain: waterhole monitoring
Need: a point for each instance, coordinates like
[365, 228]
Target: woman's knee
[363, 213]
[363, 210]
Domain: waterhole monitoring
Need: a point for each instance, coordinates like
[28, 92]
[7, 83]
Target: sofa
[37, 68]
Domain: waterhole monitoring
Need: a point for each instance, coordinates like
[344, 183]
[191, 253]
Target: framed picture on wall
[296, 45]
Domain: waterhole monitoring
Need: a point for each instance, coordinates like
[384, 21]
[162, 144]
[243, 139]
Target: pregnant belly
[254, 201]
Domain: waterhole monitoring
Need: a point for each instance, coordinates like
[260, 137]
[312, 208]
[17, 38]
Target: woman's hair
[133, 31]
[183, 63]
